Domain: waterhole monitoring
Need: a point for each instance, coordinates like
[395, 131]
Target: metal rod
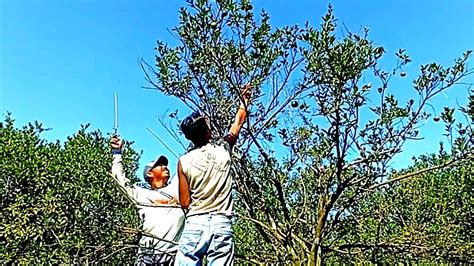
[115, 113]
[162, 142]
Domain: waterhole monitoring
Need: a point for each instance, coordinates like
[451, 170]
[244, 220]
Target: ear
[149, 174]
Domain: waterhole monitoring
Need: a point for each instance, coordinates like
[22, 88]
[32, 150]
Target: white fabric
[163, 221]
[210, 184]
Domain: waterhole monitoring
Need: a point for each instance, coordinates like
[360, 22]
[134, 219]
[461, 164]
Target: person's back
[208, 172]
[205, 189]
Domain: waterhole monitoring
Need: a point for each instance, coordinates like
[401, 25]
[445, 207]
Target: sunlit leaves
[59, 201]
[324, 125]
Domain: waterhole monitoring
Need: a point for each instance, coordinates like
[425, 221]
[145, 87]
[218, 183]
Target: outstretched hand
[246, 90]
[116, 143]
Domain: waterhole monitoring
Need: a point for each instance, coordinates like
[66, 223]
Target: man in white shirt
[205, 190]
[158, 203]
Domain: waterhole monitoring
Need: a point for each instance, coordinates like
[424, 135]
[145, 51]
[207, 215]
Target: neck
[157, 184]
[200, 144]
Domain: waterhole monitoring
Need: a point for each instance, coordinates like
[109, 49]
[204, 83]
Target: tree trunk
[316, 251]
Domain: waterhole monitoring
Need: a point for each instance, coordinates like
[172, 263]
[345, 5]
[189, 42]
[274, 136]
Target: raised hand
[116, 143]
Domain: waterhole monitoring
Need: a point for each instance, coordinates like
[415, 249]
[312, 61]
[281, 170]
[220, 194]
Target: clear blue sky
[61, 61]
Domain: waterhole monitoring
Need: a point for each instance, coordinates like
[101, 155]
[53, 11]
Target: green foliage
[335, 133]
[426, 219]
[223, 47]
[59, 202]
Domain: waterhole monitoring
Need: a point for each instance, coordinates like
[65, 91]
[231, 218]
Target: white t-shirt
[210, 184]
[163, 221]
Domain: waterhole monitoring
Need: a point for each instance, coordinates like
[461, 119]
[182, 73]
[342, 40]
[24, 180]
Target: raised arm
[241, 113]
[117, 168]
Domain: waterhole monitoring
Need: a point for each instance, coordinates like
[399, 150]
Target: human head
[195, 129]
[157, 170]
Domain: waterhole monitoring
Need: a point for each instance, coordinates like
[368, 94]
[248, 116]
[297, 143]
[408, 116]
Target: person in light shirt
[158, 203]
[205, 190]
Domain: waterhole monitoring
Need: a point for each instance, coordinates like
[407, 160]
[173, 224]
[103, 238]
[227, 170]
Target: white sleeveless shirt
[210, 183]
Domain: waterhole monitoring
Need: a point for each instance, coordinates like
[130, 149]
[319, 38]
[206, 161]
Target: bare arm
[241, 113]
[184, 197]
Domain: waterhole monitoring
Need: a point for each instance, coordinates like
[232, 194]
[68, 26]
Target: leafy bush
[427, 219]
[326, 121]
[60, 203]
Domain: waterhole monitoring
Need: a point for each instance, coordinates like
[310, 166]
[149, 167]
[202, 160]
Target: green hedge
[59, 203]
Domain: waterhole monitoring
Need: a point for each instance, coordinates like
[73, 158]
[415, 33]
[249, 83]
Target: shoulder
[191, 155]
[143, 185]
[184, 158]
[228, 142]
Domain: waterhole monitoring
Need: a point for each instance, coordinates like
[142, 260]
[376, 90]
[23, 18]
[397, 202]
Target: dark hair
[194, 128]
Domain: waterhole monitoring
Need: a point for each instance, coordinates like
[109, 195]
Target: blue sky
[61, 61]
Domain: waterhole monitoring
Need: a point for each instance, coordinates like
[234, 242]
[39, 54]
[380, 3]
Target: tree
[425, 219]
[335, 133]
[59, 201]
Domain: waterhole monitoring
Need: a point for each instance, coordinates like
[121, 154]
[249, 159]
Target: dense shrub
[59, 203]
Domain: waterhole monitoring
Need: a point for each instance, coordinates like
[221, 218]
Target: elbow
[185, 204]
[241, 122]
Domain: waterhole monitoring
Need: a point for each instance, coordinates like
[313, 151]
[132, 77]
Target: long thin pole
[115, 113]
[162, 142]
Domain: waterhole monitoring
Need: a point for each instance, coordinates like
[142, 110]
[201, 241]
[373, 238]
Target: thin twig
[453, 161]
